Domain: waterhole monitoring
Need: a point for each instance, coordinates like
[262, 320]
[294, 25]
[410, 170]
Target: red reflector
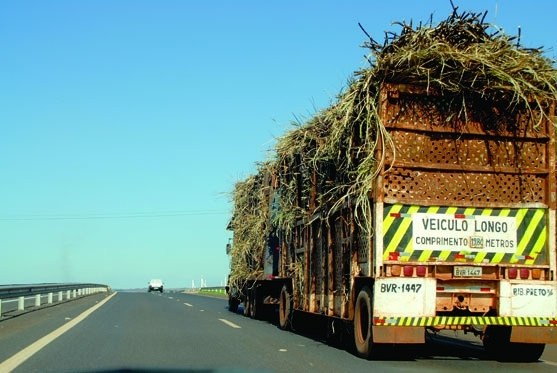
[421, 271]
[394, 255]
[440, 288]
[395, 214]
[460, 256]
[524, 273]
[485, 290]
[513, 273]
[460, 216]
[553, 322]
[408, 271]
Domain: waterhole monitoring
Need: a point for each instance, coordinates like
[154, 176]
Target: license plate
[462, 271]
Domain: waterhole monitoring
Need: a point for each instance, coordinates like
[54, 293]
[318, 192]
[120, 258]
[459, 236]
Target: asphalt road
[186, 332]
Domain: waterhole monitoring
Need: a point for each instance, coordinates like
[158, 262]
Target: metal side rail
[18, 299]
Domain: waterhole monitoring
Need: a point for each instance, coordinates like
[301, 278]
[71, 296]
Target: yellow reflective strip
[469, 211]
[520, 216]
[505, 212]
[486, 212]
[538, 247]
[497, 258]
[528, 233]
[387, 222]
[443, 255]
[479, 258]
[404, 227]
[425, 255]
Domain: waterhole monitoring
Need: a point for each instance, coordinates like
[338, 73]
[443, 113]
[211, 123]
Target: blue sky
[125, 124]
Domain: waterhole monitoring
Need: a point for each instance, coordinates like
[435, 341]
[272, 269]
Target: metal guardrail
[212, 290]
[17, 299]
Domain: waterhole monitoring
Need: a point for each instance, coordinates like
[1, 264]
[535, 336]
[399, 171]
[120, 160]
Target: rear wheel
[255, 306]
[247, 305]
[497, 344]
[285, 308]
[362, 323]
[233, 304]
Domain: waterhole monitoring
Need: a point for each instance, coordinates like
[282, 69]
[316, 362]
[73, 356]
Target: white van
[155, 284]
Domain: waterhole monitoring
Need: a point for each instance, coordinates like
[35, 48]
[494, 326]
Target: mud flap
[398, 334]
[529, 334]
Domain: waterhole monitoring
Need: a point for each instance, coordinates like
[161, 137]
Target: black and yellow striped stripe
[531, 236]
[465, 320]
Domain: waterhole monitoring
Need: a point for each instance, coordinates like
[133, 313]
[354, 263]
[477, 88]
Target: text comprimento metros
[447, 232]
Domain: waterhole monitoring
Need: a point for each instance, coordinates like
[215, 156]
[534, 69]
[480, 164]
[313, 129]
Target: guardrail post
[60, 296]
[50, 296]
[21, 303]
[74, 293]
[69, 295]
[0, 308]
[37, 300]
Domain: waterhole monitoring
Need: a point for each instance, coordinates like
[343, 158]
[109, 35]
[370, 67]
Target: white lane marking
[20, 357]
[230, 324]
[189, 305]
[549, 363]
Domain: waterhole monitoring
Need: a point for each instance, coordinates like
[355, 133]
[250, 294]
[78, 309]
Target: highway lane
[191, 332]
[19, 330]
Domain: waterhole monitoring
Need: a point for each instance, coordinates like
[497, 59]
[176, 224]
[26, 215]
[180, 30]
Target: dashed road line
[189, 305]
[231, 324]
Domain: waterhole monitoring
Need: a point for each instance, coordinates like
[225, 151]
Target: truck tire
[285, 308]
[255, 305]
[247, 305]
[233, 304]
[363, 339]
[497, 344]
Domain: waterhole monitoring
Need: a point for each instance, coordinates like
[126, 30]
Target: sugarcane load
[424, 197]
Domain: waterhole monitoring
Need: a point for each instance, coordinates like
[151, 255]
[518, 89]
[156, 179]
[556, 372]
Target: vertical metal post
[21, 304]
[60, 296]
[69, 295]
[37, 300]
[50, 296]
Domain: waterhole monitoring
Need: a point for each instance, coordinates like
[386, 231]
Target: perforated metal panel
[445, 149]
[464, 189]
[447, 153]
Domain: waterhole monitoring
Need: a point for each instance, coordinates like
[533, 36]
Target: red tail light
[512, 273]
[524, 273]
[421, 271]
[408, 271]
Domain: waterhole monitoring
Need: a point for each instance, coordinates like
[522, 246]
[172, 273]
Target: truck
[424, 208]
